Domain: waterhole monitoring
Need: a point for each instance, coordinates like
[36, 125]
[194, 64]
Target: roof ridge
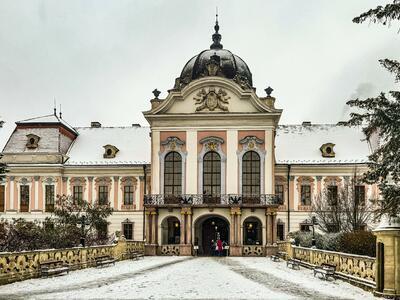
[35, 118]
[109, 127]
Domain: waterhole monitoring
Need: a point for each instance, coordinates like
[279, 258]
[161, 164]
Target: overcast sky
[101, 59]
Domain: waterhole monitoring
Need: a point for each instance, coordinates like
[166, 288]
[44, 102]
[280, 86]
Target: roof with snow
[47, 119]
[133, 144]
[300, 144]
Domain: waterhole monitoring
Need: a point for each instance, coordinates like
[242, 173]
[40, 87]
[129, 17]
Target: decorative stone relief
[33, 141]
[212, 99]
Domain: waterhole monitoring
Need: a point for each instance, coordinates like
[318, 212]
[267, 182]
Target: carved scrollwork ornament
[212, 99]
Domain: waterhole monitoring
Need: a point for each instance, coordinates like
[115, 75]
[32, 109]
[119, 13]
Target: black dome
[216, 62]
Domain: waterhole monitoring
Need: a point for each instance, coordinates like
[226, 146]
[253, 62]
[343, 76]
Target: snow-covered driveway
[186, 278]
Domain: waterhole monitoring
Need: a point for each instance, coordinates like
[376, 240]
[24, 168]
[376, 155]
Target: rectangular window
[103, 195]
[280, 232]
[128, 231]
[77, 193]
[49, 197]
[279, 193]
[306, 194]
[332, 195]
[2, 197]
[128, 195]
[359, 194]
[24, 198]
[305, 227]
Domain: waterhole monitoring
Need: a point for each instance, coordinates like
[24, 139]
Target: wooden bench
[275, 258]
[104, 260]
[282, 254]
[293, 263]
[133, 255]
[53, 267]
[325, 270]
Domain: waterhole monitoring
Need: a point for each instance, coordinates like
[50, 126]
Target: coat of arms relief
[212, 99]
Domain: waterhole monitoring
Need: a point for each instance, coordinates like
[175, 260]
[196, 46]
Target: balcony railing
[211, 200]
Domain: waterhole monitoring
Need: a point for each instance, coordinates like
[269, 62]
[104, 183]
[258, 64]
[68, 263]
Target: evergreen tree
[381, 115]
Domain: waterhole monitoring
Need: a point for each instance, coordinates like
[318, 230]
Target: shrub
[359, 242]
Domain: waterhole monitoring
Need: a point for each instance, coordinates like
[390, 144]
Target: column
[154, 227]
[12, 191]
[64, 185]
[273, 217]
[90, 189]
[148, 226]
[232, 230]
[269, 235]
[189, 227]
[183, 226]
[239, 227]
[35, 205]
[115, 189]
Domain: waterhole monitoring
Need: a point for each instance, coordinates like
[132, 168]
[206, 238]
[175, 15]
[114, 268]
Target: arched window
[251, 173]
[171, 231]
[212, 174]
[173, 174]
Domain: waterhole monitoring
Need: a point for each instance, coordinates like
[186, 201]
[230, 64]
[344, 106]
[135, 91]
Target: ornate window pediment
[327, 150]
[173, 143]
[212, 143]
[210, 99]
[110, 151]
[33, 141]
[251, 142]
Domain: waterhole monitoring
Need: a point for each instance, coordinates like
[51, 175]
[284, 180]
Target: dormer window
[33, 141]
[110, 151]
[327, 150]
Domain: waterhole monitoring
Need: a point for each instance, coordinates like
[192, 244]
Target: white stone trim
[251, 143]
[211, 143]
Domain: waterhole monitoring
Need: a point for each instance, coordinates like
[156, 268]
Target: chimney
[136, 125]
[306, 123]
[95, 124]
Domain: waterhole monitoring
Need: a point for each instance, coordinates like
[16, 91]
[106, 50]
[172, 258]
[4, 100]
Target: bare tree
[343, 208]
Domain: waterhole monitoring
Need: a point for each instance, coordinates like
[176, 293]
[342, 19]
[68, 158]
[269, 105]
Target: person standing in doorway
[219, 247]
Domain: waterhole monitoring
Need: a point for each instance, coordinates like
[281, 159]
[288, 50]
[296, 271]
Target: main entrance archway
[209, 229]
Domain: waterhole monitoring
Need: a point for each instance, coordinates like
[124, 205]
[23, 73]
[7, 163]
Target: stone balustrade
[172, 249]
[16, 266]
[356, 268]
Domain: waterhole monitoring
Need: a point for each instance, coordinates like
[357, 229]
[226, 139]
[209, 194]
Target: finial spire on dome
[216, 37]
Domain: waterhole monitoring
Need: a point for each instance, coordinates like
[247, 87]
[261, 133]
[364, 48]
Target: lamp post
[83, 224]
[314, 222]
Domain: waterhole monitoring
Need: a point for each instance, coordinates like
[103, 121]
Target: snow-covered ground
[186, 278]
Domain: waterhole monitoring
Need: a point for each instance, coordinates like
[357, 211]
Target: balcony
[211, 200]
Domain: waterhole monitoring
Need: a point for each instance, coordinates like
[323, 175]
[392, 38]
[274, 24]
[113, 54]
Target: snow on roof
[300, 144]
[49, 119]
[133, 144]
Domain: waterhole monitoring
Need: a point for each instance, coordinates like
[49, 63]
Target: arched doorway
[209, 229]
[252, 231]
[170, 231]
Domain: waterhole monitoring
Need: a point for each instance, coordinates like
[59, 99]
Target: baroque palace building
[214, 163]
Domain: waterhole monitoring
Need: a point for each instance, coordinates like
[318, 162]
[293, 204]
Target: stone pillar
[239, 228]
[271, 246]
[387, 275]
[235, 247]
[269, 236]
[274, 227]
[151, 231]
[185, 248]
[183, 217]
[232, 235]
[90, 189]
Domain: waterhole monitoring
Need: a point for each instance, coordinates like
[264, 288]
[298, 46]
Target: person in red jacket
[219, 247]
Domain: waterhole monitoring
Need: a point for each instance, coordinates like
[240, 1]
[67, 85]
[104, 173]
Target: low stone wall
[357, 269]
[16, 266]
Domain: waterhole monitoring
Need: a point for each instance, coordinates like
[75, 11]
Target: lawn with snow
[186, 278]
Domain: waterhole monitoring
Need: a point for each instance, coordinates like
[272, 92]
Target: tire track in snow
[89, 284]
[274, 283]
